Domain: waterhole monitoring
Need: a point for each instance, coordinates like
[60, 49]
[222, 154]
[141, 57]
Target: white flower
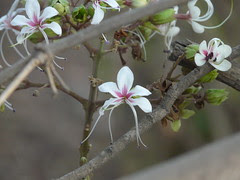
[99, 13]
[195, 18]
[123, 92]
[36, 22]
[5, 25]
[215, 53]
[195, 15]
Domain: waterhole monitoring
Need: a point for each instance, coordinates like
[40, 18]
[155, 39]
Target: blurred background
[41, 139]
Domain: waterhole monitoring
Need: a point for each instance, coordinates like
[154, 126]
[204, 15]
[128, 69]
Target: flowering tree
[60, 24]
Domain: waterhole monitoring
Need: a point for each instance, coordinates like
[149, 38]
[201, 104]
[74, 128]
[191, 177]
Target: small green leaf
[209, 77]
[216, 96]
[187, 113]
[175, 125]
[191, 50]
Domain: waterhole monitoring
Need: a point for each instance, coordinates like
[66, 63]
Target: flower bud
[192, 90]
[191, 50]
[216, 96]
[163, 17]
[135, 3]
[139, 3]
[146, 32]
[62, 6]
[80, 14]
[209, 77]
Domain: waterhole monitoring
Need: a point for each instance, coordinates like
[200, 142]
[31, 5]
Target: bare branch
[27, 84]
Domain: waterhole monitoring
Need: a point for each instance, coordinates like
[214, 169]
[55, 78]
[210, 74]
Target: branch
[148, 121]
[78, 38]
[218, 160]
[27, 84]
[231, 77]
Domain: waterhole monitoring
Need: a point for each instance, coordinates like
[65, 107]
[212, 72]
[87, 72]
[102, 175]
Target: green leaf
[191, 50]
[175, 125]
[209, 77]
[187, 113]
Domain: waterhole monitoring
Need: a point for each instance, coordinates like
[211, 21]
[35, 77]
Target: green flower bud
[83, 160]
[139, 3]
[62, 6]
[186, 113]
[151, 26]
[175, 125]
[192, 90]
[90, 11]
[191, 50]
[146, 32]
[80, 14]
[163, 17]
[209, 77]
[216, 96]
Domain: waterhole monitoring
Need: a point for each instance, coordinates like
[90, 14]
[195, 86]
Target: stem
[91, 106]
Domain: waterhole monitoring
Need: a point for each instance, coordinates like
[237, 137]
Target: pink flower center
[125, 94]
[35, 22]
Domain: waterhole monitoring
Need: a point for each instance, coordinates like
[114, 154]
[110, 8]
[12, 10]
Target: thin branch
[148, 121]
[91, 107]
[28, 84]
[80, 37]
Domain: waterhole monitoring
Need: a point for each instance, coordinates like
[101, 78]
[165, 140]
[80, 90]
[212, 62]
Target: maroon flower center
[209, 56]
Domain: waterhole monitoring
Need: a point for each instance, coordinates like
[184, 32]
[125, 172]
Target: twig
[27, 84]
[91, 107]
[36, 60]
[158, 113]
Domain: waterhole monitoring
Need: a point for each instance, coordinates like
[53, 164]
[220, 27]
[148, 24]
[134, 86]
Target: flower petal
[112, 3]
[125, 78]
[143, 103]
[225, 50]
[197, 28]
[107, 103]
[224, 66]
[48, 12]
[55, 27]
[199, 59]
[194, 12]
[32, 9]
[191, 4]
[98, 15]
[3, 18]
[20, 20]
[203, 48]
[109, 87]
[140, 91]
